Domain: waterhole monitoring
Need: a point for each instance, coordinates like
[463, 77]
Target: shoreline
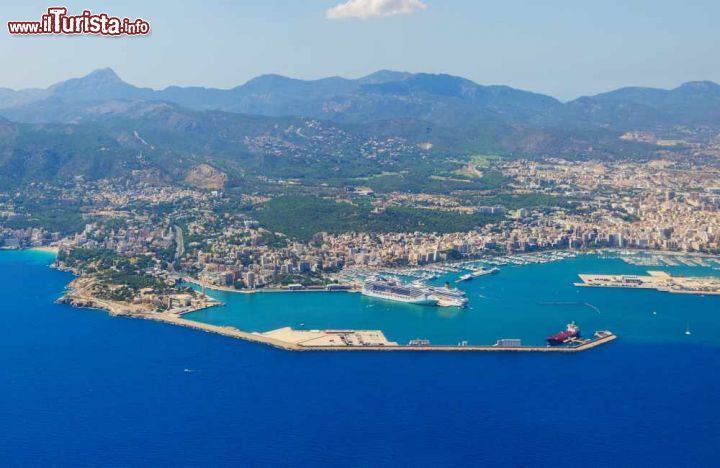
[599, 251]
[46, 249]
[176, 317]
[306, 340]
[211, 287]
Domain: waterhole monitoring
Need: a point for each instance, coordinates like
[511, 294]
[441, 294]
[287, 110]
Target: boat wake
[570, 303]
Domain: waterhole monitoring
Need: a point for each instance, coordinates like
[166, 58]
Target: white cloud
[364, 9]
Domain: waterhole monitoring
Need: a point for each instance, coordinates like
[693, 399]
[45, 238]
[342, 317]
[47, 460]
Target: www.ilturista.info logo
[57, 21]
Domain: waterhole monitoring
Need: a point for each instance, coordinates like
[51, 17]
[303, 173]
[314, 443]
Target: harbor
[80, 294]
[526, 302]
[486, 310]
[462, 270]
[290, 339]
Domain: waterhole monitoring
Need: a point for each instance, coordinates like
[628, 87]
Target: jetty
[289, 339]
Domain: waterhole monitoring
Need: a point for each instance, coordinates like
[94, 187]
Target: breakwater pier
[289, 339]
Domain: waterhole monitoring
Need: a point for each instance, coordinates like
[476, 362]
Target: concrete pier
[657, 280]
[361, 340]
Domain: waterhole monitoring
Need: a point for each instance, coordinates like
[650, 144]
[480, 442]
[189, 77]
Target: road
[179, 242]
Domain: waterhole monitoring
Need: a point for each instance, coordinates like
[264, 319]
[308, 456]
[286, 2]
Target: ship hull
[555, 342]
[451, 303]
[560, 338]
[444, 301]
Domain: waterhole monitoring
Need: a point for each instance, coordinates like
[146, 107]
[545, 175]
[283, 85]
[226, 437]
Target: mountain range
[439, 99]
[59, 131]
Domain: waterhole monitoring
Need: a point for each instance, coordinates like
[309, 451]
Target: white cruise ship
[394, 290]
[447, 296]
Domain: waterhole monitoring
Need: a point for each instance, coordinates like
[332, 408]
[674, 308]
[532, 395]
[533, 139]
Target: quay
[657, 280]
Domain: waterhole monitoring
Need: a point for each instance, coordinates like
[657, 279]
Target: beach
[48, 249]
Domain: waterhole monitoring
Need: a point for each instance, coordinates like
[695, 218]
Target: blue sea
[80, 388]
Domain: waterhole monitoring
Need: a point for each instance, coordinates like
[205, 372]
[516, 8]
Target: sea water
[78, 387]
[528, 302]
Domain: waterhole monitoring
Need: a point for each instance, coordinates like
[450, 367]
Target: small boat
[484, 271]
[466, 277]
[687, 329]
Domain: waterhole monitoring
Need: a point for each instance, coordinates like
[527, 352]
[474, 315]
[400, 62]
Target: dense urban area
[140, 243]
[287, 184]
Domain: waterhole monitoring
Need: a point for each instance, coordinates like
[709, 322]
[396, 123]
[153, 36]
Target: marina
[667, 259]
[462, 270]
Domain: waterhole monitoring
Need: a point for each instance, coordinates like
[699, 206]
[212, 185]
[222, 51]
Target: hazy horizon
[561, 48]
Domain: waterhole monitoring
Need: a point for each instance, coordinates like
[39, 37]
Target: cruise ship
[394, 290]
[447, 296]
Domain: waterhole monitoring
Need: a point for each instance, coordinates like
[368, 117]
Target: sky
[564, 48]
